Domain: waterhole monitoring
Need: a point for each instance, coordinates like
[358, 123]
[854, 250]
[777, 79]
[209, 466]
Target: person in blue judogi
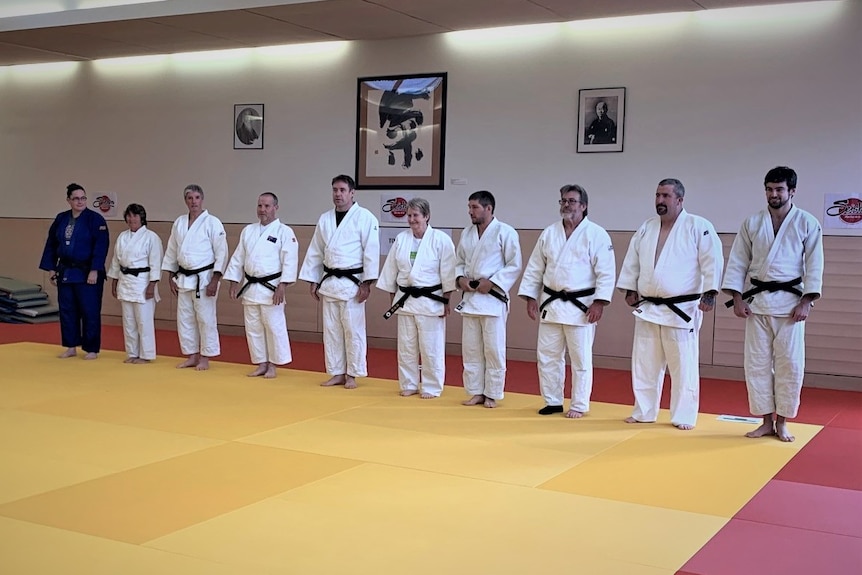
[75, 254]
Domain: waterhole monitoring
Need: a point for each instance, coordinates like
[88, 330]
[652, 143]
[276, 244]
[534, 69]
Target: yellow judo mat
[110, 469]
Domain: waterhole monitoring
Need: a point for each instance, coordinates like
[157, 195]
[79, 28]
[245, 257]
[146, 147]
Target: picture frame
[248, 123]
[401, 131]
[601, 120]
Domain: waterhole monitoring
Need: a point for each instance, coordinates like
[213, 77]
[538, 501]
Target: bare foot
[261, 369]
[475, 400]
[683, 426]
[633, 420]
[203, 364]
[91, 355]
[270, 371]
[349, 382]
[334, 380]
[192, 361]
[139, 360]
[574, 414]
[765, 429]
[782, 432]
[408, 392]
[130, 360]
[70, 352]
[490, 403]
[426, 395]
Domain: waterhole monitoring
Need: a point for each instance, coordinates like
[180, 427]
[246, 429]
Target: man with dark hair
[670, 275]
[488, 264]
[135, 270]
[75, 254]
[340, 264]
[266, 258]
[774, 274]
[567, 283]
[196, 255]
[602, 130]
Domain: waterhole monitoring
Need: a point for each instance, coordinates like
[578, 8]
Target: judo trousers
[421, 336]
[81, 315]
[553, 340]
[774, 364]
[139, 331]
[657, 348]
[483, 348]
[196, 324]
[266, 334]
[344, 344]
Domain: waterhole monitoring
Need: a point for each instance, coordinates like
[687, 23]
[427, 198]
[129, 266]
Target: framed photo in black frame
[248, 127]
[601, 119]
[401, 131]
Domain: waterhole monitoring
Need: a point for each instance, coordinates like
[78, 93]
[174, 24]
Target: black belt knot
[341, 273]
[413, 291]
[771, 287]
[264, 281]
[134, 271]
[671, 303]
[567, 296]
[194, 272]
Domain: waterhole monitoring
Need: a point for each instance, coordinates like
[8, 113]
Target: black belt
[500, 296]
[194, 272]
[569, 296]
[134, 271]
[337, 273]
[75, 264]
[671, 303]
[264, 281]
[761, 286]
[411, 291]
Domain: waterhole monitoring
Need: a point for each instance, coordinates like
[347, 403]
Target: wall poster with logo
[106, 204]
[843, 212]
[401, 132]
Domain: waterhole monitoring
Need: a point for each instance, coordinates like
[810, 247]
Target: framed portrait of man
[601, 119]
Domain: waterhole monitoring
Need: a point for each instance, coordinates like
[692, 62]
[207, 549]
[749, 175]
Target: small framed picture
[601, 119]
[248, 127]
[401, 132]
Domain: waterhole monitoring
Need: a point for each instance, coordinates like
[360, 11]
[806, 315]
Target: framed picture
[601, 119]
[248, 127]
[401, 132]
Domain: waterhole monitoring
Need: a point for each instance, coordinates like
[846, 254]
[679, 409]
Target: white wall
[714, 98]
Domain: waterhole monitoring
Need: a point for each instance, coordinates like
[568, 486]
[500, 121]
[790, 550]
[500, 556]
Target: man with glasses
[75, 254]
[567, 283]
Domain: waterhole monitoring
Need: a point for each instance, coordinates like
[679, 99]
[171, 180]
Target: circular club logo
[396, 206]
[103, 203]
[848, 211]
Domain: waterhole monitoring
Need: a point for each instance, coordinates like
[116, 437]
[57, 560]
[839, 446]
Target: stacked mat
[23, 302]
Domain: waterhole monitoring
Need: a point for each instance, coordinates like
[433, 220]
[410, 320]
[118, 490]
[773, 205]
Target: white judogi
[582, 261]
[496, 256]
[774, 343]
[194, 247]
[136, 250]
[421, 324]
[264, 251]
[353, 243]
[690, 263]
